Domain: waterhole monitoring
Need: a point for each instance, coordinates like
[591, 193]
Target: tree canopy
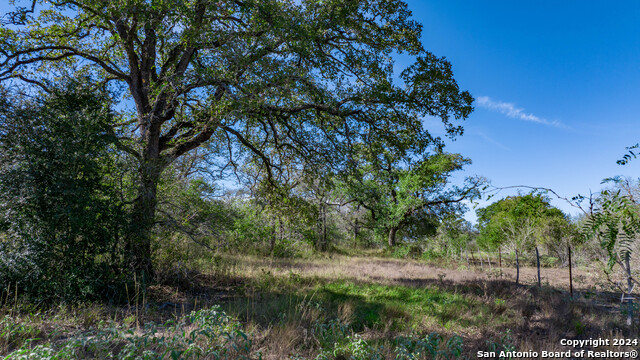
[408, 192]
[522, 222]
[284, 84]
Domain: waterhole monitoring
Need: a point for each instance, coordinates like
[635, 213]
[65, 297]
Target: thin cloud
[510, 110]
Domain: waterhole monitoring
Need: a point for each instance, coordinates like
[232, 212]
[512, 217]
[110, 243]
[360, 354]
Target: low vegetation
[324, 308]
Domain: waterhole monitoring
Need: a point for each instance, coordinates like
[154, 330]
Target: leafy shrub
[505, 344]
[59, 197]
[284, 248]
[331, 332]
[14, 332]
[431, 346]
[204, 334]
[338, 341]
[405, 251]
[431, 254]
[549, 261]
[251, 230]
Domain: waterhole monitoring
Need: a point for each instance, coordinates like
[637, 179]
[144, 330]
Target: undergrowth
[204, 334]
[328, 309]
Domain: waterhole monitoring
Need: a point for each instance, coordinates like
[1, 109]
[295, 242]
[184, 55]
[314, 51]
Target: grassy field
[335, 307]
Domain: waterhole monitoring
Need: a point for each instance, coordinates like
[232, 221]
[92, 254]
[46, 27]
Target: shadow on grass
[482, 311]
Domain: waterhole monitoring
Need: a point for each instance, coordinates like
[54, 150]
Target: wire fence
[499, 259]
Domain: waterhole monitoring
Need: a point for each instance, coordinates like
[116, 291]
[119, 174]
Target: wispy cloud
[510, 110]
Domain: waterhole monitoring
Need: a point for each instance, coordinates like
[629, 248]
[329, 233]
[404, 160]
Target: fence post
[500, 257]
[538, 262]
[570, 274]
[517, 269]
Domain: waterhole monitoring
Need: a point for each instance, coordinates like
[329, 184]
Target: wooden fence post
[500, 257]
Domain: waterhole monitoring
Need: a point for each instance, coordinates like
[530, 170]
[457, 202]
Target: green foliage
[505, 344]
[193, 222]
[616, 221]
[284, 248]
[14, 332]
[331, 332]
[522, 222]
[204, 334]
[408, 192]
[407, 251]
[251, 229]
[338, 341]
[59, 196]
[353, 347]
[453, 235]
[431, 254]
[284, 86]
[629, 155]
[431, 346]
[549, 261]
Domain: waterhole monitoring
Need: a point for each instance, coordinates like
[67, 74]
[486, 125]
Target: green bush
[404, 251]
[549, 261]
[59, 197]
[431, 346]
[431, 254]
[204, 334]
[338, 341]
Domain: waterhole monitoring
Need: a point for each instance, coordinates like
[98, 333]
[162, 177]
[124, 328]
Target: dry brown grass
[279, 301]
[400, 271]
[539, 317]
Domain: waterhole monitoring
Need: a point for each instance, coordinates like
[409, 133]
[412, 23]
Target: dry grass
[537, 317]
[400, 271]
[282, 302]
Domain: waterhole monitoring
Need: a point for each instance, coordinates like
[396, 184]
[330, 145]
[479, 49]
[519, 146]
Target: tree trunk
[392, 236]
[143, 219]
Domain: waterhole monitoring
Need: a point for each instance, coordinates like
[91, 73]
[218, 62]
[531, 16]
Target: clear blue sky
[557, 87]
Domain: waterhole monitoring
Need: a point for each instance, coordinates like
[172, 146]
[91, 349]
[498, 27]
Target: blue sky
[556, 83]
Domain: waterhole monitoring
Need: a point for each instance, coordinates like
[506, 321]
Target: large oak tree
[276, 81]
